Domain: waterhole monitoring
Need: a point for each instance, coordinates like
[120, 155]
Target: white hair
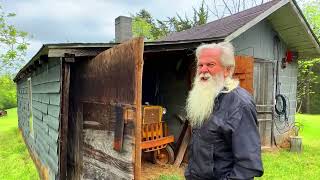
[200, 101]
[227, 54]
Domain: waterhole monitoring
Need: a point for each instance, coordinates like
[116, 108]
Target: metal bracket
[70, 58]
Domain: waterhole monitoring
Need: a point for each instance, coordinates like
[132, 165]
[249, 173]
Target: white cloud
[83, 20]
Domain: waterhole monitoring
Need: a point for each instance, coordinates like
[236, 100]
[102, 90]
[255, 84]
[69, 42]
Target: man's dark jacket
[227, 145]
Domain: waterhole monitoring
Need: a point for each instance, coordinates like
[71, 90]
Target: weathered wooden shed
[80, 104]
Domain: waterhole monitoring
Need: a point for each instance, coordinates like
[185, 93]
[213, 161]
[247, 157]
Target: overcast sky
[60, 21]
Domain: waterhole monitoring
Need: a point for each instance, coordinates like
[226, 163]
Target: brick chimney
[123, 29]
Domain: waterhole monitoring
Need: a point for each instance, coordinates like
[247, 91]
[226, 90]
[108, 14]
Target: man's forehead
[213, 52]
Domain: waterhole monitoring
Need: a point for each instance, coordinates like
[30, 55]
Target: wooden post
[139, 45]
[64, 119]
[295, 144]
[183, 147]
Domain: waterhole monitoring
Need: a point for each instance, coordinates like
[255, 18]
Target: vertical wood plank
[160, 130]
[79, 141]
[181, 136]
[183, 147]
[138, 100]
[64, 120]
[244, 72]
[119, 129]
[152, 131]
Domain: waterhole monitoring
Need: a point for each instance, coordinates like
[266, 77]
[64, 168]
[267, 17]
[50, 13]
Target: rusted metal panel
[105, 88]
[157, 142]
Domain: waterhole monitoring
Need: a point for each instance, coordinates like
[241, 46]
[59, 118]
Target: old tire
[164, 156]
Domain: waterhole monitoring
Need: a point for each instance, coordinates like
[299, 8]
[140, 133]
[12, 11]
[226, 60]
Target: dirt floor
[153, 171]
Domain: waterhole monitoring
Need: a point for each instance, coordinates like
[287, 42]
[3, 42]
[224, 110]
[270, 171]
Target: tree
[222, 8]
[8, 95]
[145, 25]
[13, 44]
[178, 23]
[308, 95]
[152, 29]
[13, 48]
[308, 79]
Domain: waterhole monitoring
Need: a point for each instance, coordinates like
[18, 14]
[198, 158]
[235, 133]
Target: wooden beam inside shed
[63, 135]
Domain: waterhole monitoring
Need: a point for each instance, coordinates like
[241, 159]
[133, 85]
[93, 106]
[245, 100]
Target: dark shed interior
[166, 81]
[167, 78]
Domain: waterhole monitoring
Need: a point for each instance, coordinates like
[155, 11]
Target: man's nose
[204, 69]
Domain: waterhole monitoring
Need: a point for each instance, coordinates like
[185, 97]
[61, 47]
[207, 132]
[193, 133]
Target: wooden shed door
[107, 93]
[264, 98]
[244, 72]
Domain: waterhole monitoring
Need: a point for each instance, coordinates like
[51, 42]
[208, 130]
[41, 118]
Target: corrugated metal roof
[221, 27]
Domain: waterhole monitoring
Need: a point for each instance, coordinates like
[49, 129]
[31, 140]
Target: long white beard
[200, 102]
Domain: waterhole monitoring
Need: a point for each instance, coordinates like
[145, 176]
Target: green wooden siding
[46, 95]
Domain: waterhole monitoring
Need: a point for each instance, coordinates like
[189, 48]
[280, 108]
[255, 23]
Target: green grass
[292, 166]
[169, 177]
[283, 165]
[15, 161]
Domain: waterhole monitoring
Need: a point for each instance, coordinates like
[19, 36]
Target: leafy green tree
[145, 25]
[13, 44]
[13, 48]
[308, 94]
[8, 95]
[312, 13]
[178, 23]
[152, 29]
[141, 27]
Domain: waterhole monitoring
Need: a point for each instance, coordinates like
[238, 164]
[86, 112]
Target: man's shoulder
[239, 97]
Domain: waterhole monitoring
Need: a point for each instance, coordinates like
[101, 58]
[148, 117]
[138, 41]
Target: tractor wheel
[164, 156]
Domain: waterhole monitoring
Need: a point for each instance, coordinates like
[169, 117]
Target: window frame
[30, 116]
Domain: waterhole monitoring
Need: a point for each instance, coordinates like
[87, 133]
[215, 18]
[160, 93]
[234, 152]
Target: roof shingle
[221, 27]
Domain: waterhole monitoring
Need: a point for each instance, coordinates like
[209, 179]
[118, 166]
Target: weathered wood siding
[259, 42]
[45, 111]
[101, 90]
[264, 97]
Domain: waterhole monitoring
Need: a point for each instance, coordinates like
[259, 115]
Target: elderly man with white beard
[225, 142]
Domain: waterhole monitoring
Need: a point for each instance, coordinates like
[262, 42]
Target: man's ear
[226, 72]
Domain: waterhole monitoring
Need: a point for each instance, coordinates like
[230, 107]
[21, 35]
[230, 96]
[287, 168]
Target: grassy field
[285, 165]
[15, 162]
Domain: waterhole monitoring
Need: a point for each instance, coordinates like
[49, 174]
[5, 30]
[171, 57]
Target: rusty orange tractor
[155, 136]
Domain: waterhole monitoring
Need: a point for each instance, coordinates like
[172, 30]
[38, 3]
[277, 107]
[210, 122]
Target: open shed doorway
[166, 81]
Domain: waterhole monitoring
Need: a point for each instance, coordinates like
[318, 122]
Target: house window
[30, 117]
